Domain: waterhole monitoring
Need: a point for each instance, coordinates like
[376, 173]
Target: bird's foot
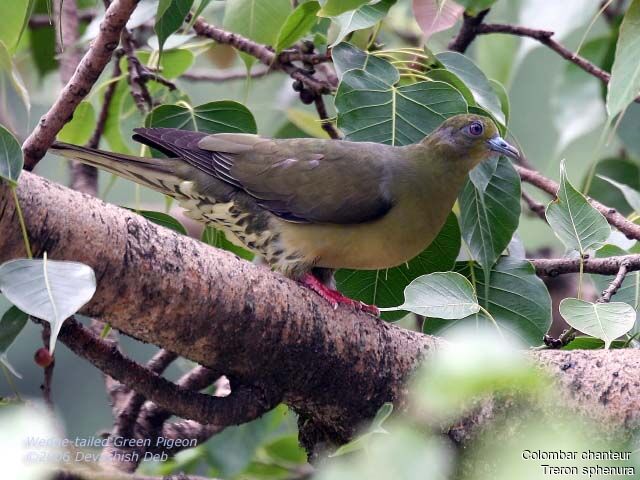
[334, 297]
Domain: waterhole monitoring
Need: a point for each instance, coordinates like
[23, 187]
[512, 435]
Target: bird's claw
[335, 298]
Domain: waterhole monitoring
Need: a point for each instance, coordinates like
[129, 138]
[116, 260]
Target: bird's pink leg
[334, 297]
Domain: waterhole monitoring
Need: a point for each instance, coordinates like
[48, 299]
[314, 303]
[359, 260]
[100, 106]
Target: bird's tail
[157, 173]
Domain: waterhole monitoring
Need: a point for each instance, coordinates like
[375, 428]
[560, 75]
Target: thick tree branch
[333, 367]
[468, 32]
[553, 267]
[88, 71]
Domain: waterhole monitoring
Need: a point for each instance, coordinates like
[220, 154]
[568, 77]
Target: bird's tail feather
[156, 173]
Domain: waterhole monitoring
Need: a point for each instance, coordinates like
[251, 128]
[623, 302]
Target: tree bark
[334, 367]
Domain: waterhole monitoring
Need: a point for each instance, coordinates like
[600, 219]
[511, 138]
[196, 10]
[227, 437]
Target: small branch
[467, 32]
[244, 404]
[616, 283]
[535, 206]
[48, 370]
[87, 73]
[94, 141]
[137, 84]
[630, 229]
[263, 53]
[327, 125]
[553, 267]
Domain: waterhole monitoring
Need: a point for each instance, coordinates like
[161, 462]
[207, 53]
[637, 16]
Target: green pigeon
[310, 206]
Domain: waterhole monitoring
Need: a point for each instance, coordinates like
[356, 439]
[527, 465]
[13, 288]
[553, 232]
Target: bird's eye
[475, 129]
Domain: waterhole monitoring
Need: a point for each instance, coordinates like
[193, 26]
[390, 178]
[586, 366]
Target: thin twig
[327, 125]
[224, 76]
[535, 206]
[616, 283]
[467, 32]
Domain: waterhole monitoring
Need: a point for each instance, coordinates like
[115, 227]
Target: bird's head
[469, 139]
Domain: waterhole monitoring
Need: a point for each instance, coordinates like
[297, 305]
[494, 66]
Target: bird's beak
[499, 145]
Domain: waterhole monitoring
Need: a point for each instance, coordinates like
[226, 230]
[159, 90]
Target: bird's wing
[299, 180]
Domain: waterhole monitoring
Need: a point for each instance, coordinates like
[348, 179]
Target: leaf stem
[23, 226]
[493, 320]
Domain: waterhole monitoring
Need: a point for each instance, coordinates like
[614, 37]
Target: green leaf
[11, 324]
[620, 170]
[476, 80]
[631, 195]
[347, 57]
[442, 75]
[173, 63]
[434, 16]
[215, 117]
[624, 84]
[576, 99]
[113, 126]
[331, 8]
[629, 291]
[490, 216]
[361, 18]
[373, 108]
[14, 15]
[80, 128]
[361, 442]
[162, 219]
[297, 25]
[575, 222]
[11, 159]
[385, 288]
[446, 295]
[47, 289]
[258, 20]
[169, 17]
[217, 238]
[518, 300]
[606, 321]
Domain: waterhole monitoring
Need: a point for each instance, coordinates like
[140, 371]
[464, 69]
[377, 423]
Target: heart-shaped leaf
[214, 117]
[574, 221]
[517, 299]
[606, 321]
[47, 289]
[374, 108]
[11, 159]
[446, 295]
[347, 57]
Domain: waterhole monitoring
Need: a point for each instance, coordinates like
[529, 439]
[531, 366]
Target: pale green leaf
[14, 15]
[11, 324]
[446, 295]
[624, 84]
[575, 222]
[606, 321]
[517, 299]
[307, 122]
[47, 289]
